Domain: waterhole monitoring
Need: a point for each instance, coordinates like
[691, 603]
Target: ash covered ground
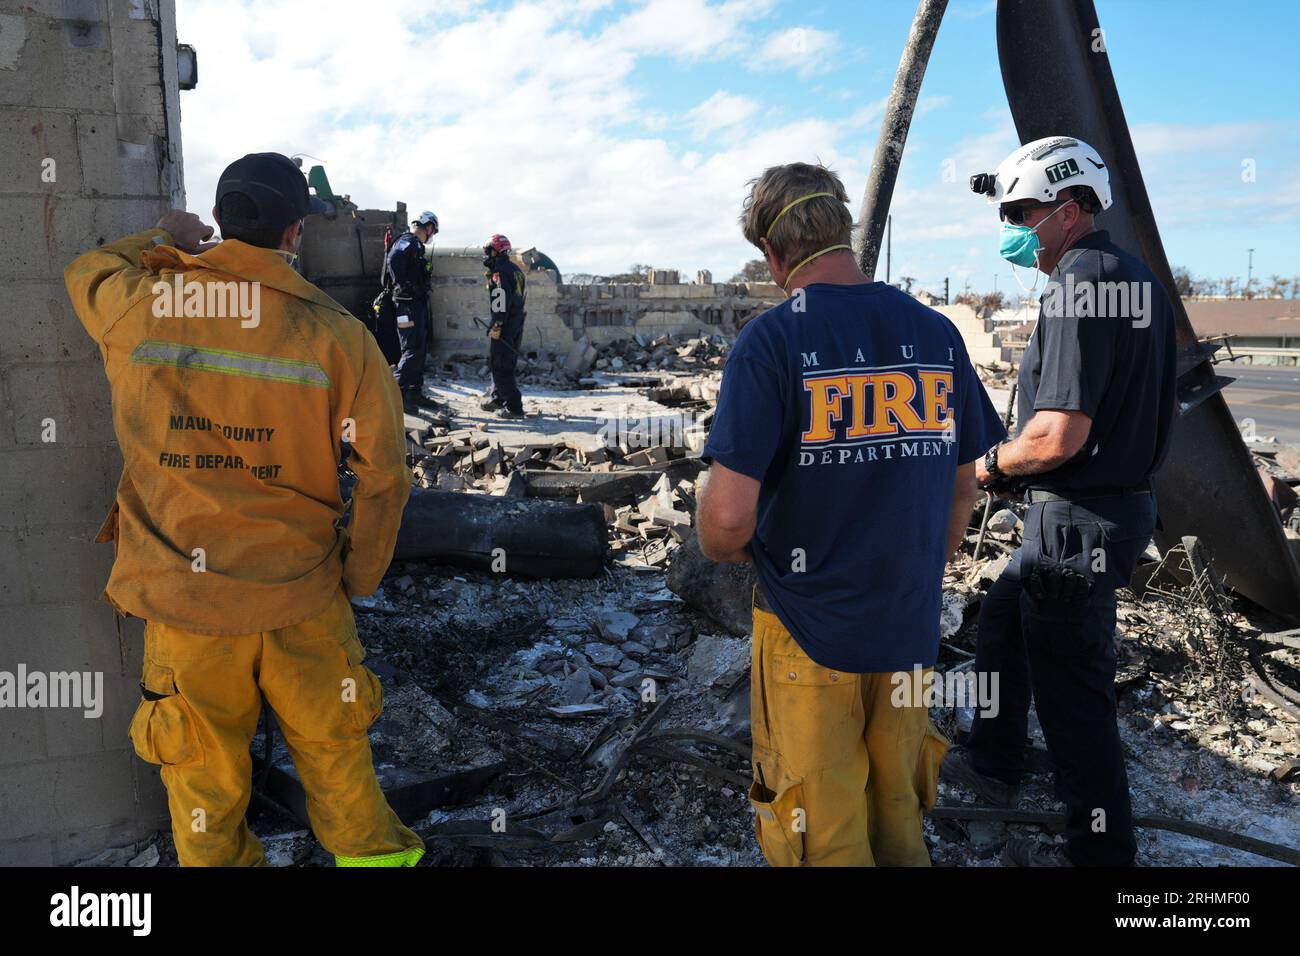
[612, 716]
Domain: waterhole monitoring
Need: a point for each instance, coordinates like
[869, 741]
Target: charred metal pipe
[520, 536]
[893, 133]
[1050, 819]
[515, 537]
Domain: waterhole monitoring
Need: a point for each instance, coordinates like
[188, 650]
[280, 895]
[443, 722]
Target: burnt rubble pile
[1279, 469]
[1205, 744]
[999, 374]
[570, 661]
[639, 355]
[642, 475]
[1208, 711]
[597, 712]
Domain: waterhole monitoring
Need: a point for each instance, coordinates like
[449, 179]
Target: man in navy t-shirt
[1096, 415]
[843, 450]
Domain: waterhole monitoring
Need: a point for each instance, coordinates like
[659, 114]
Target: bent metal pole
[893, 133]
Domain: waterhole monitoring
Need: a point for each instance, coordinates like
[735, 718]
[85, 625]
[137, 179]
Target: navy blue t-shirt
[1104, 345]
[853, 406]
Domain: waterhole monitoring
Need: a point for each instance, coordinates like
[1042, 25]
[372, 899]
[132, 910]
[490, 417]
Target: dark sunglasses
[1016, 214]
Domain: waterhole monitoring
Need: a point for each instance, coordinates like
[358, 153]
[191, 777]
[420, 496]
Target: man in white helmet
[1095, 411]
[406, 272]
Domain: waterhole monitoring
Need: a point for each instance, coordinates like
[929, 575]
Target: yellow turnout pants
[198, 712]
[840, 772]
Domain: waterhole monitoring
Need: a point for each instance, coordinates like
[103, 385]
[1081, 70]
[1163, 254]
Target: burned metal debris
[536, 717]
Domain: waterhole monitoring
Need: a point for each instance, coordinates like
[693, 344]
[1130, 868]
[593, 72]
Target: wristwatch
[991, 463]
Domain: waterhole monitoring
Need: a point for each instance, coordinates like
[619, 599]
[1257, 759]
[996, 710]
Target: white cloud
[870, 114]
[720, 111]
[687, 28]
[974, 9]
[928, 104]
[804, 49]
[536, 121]
[524, 121]
[1160, 139]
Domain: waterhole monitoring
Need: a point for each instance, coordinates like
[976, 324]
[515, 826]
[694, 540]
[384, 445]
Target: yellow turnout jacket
[233, 380]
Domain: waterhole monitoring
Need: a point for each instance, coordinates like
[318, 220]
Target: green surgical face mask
[1019, 245]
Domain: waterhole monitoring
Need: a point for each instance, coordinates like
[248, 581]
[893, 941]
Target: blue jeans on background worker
[1060, 648]
[415, 345]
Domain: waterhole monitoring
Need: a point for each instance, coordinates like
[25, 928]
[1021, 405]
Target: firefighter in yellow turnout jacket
[233, 382]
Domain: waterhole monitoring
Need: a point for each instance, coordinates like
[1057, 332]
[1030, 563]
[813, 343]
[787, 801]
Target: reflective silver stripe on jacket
[266, 367]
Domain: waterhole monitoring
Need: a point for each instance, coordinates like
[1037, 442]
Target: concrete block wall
[91, 86]
[458, 295]
[982, 343]
[559, 314]
[343, 253]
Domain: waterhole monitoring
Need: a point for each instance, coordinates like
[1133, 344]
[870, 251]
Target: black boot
[958, 770]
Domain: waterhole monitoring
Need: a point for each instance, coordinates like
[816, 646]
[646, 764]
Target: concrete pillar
[90, 151]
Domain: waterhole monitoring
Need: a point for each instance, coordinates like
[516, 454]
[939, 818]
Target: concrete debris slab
[1003, 521]
[578, 710]
[615, 625]
[603, 655]
[576, 687]
[718, 661]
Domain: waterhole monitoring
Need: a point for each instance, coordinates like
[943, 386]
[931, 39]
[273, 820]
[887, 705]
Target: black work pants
[415, 345]
[1058, 647]
[503, 353]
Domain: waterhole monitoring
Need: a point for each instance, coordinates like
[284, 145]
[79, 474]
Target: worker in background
[506, 295]
[407, 273]
[228, 522]
[843, 456]
[1096, 408]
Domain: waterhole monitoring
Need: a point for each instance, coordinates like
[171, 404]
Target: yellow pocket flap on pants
[933, 747]
[792, 669]
[365, 693]
[163, 729]
[779, 823]
[157, 681]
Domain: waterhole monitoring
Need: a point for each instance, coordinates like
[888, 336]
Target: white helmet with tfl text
[1041, 169]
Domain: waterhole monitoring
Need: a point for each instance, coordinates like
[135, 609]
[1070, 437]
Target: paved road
[1270, 394]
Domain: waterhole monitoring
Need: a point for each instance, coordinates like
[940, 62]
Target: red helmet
[499, 244]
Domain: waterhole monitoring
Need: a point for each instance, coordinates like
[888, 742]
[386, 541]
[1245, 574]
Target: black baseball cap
[275, 184]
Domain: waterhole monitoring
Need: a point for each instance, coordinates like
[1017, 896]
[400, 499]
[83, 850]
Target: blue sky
[611, 133]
